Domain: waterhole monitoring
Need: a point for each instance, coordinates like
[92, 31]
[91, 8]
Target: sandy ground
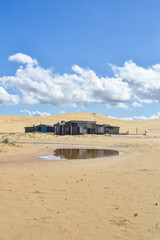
[107, 198]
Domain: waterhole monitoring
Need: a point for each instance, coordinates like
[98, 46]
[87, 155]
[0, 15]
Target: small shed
[44, 128]
[29, 129]
[112, 129]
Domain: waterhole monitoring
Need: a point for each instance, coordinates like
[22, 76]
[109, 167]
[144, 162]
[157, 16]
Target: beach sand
[106, 198]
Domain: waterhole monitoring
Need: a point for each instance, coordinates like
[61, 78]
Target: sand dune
[107, 198]
[17, 123]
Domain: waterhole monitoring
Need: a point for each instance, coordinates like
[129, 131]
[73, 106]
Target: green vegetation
[5, 141]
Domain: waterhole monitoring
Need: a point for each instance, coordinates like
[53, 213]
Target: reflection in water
[83, 153]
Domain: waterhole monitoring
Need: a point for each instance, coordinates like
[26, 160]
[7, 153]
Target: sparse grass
[50, 133]
[5, 140]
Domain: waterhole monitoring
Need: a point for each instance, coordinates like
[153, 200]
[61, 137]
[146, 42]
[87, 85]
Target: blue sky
[98, 56]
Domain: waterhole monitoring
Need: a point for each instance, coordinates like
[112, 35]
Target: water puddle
[72, 153]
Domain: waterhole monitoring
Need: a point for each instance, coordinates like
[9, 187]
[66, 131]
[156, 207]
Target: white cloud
[62, 112]
[8, 99]
[144, 82]
[38, 85]
[136, 118]
[35, 113]
[127, 119]
[131, 84]
[136, 104]
[155, 116]
[22, 58]
[140, 118]
[116, 105]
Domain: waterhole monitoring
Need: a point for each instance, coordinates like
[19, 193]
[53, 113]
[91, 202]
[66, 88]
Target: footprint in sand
[37, 192]
[121, 222]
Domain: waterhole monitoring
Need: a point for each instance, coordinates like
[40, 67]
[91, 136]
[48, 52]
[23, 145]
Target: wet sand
[105, 198]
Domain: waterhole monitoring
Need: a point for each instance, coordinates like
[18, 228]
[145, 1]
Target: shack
[100, 129]
[29, 129]
[75, 127]
[112, 129]
[44, 128]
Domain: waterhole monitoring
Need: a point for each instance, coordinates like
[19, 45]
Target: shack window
[39, 129]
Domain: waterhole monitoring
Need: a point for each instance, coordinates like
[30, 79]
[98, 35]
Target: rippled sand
[106, 198]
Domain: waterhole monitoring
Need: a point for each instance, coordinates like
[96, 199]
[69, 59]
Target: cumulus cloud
[8, 99]
[116, 105]
[144, 82]
[136, 104]
[39, 85]
[22, 58]
[130, 84]
[155, 116]
[140, 118]
[35, 113]
[137, 118]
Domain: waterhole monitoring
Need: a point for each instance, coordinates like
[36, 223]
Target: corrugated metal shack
[112, 129]
[75, 127]
[106, 128]
[44, 128]
[100, 129]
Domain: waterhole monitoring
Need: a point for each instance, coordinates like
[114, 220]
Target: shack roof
[110, 126]
[44, 125]
[106, 125]
[80, 121]
[100, 125]
[75, 121]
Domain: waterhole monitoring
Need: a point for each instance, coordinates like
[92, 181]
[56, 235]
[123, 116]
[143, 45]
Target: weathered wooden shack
[106, 128]
[75, 127]
[100, 129]
[112, 129]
